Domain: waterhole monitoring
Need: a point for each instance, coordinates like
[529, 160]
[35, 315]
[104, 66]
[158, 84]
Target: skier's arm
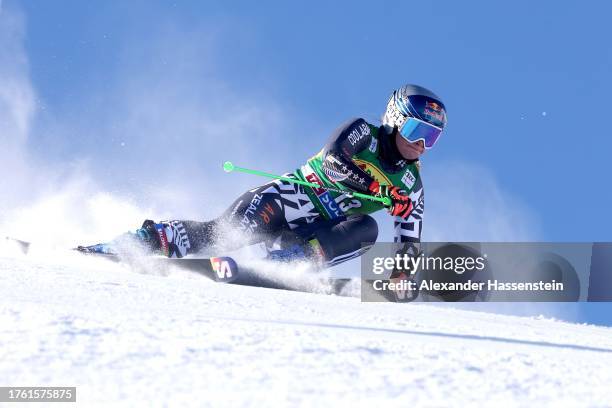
[346, 141]
[409, 230]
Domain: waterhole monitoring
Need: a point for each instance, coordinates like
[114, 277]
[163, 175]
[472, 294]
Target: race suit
[356, 154]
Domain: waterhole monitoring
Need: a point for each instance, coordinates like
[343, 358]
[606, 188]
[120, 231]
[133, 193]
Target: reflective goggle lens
[414, 130]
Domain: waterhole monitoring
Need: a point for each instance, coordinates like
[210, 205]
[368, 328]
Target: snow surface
[139, 339]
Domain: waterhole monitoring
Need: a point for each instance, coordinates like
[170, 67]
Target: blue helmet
[417, 113]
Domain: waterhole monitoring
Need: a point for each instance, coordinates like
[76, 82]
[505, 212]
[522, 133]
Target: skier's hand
[401, 204]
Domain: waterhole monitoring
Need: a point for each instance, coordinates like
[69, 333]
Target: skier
[322, 226]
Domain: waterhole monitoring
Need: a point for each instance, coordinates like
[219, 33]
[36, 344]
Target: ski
[219, 269]
[24, 246]
[226, 270]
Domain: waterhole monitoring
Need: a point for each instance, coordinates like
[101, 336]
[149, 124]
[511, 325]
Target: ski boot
[167, 238]
[294, 248]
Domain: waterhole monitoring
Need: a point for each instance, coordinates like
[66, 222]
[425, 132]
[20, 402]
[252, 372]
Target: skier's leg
[258, 215]
[347, 239]
[328, 243]
[252, 217]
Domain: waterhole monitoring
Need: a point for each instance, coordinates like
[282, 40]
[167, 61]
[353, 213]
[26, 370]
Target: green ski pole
[229, 167]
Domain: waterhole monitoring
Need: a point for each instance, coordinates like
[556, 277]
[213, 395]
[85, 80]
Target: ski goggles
[415, 129]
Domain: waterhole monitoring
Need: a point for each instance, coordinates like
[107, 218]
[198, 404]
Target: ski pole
[229, 167]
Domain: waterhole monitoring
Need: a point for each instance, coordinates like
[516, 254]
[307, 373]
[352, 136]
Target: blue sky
[116, 85]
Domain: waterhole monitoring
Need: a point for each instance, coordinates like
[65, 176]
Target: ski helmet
[417, 113]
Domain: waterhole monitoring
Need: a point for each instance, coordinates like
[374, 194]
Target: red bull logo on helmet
[434, 110]
[433, 105]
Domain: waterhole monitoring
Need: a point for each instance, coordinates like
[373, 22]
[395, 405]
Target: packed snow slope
[147, 339]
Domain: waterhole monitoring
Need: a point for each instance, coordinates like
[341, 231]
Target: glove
[401, 204]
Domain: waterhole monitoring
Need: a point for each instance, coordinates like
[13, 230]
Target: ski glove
[401, 204]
